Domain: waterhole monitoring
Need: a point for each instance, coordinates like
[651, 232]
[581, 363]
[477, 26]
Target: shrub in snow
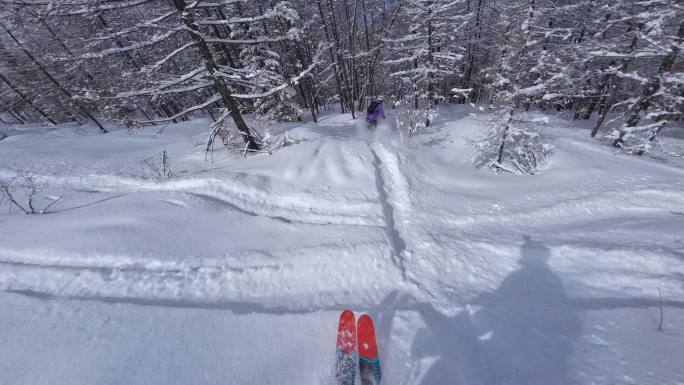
[636, 140]
[233, 139]
[160, 165]
[2, 135]
[514, 144]
[275, 143]
[416, 119]
[411, 120]
[24, 193]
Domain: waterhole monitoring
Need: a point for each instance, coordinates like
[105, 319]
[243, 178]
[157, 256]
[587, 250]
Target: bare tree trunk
[306, 86]
[219, 85]
[504, 136]
[472, 48]
[338, 48]
[161, 109]
[431, 59]
[352, 39]
[82, 66]
[14, 114]
[369, 86]
[605, 102]
[24, 98]
[333, 59]
[650, 90]
[430, 55]
[83, 110]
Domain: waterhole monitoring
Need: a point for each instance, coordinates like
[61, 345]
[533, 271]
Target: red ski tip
[346, 332]
[367, 346]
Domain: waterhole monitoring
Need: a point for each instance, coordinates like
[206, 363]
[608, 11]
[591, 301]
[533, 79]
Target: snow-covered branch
[186, 111]
[133, 47]
[291, 82]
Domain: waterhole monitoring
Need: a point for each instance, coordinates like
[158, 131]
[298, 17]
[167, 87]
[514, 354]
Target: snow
[235, 271]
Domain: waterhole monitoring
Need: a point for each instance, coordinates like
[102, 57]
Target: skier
[375, 112]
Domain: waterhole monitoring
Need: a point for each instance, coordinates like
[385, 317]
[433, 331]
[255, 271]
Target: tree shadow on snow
[522, 334]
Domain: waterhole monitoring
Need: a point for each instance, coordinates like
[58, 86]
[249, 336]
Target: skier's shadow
[522, 332]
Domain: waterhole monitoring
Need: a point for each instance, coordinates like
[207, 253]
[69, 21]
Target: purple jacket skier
[375, 112]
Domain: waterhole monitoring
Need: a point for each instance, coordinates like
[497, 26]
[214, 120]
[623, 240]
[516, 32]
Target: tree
[234, 69]
[422, 54]
[661, 100]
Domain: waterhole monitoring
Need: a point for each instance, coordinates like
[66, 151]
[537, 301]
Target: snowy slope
[234, 271]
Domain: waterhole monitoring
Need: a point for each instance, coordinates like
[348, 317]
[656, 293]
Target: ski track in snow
[394, 239]
[394, 194]
[47, 274]
[120, 276]
[299, 207]
[613, 203]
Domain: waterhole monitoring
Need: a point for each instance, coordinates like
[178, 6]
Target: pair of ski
[348, 333]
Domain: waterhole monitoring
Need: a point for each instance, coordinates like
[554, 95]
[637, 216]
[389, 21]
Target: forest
[146, 62]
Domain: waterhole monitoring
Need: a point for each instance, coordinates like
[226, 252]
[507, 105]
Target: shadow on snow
[523, 332]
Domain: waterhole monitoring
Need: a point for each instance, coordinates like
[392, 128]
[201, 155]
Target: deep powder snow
[235, 271]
